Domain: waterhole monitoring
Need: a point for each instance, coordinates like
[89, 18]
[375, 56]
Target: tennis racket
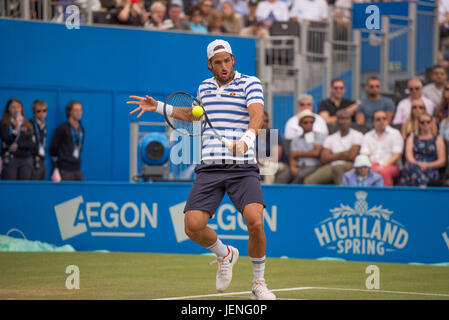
[183, 104]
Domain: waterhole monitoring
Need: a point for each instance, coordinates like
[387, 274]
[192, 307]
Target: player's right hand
[145, 104]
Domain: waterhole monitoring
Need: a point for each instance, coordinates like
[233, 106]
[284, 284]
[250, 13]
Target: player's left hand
[238, 147]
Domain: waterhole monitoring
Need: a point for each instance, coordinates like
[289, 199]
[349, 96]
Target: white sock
[258, 267]
[219, 249]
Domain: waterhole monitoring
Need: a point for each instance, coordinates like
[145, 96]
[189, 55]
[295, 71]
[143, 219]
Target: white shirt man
[405, 105]
[381, 149]
[309, 10]
[383, 145]
[293, 129]
[336, 143]
[272, 10]
[434, 90]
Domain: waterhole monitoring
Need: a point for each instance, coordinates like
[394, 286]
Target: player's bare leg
[195, 223]
[253, 214]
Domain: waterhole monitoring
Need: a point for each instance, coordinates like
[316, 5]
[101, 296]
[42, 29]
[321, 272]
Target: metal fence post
[385, 53]
[357, 69]
[25, 5]
[303, 61]
[412, 11]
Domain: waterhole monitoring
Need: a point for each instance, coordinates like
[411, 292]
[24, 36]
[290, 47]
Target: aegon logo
[227, 222]
[107, 219]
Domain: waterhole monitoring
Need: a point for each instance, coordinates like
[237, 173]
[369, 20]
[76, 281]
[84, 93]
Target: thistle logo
[106, 219]
[227, 222]
[361, 230]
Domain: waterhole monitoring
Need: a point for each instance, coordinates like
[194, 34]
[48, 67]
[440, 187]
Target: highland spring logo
[361, 230]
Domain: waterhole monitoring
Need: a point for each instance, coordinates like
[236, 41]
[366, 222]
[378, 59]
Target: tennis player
[234, 105]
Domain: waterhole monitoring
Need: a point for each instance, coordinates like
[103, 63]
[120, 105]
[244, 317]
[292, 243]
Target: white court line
[305, 288]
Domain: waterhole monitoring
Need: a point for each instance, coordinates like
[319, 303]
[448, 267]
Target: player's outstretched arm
[149, 104]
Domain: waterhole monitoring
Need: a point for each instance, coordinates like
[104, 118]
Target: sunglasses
[41, 110]
[305, 104]
[420, 107]
[380, 118]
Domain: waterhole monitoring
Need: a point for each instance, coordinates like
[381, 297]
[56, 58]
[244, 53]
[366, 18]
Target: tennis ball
[197, 111]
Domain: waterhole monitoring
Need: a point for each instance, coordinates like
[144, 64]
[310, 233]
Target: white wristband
[249, 137]
[160, 108]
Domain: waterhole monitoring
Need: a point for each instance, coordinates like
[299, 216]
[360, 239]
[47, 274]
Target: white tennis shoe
[261, 292]
[224, 272]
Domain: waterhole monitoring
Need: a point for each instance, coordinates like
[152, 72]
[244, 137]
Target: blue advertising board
[361, 224]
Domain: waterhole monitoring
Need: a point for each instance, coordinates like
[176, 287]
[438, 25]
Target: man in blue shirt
[373, 101]
[362, 176]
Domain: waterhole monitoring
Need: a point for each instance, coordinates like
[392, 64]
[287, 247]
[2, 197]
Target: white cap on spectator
[210, 48]
[362, 161]
[305, 113]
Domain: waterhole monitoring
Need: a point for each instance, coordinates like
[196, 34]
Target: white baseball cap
[362, 161]
[305, 113]
[210, 48]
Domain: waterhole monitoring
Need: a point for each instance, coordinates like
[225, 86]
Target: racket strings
[184, 104]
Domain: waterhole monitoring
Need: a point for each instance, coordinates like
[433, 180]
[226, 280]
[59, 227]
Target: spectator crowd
[371, 142]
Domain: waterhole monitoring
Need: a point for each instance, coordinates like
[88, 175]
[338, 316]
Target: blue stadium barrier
[101, 67]
[361, 224]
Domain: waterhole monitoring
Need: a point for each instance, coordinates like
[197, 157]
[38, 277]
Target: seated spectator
[339, 151]
[240, 6]
[443, 20]
[269, 11]
[197, 24]
[233, 22]
[309, 10]
[157, 19]
[411, 125]
[442, 114]
[342, 13]
[434, 90]
[383, 145]
[251, 15]
[444, 129]
[270, 157]
[132, 13]
[305, 150]
[373, 101]
[214, 22]
[425, 153]
[442, 111]
[362, 176]
[206, 7]
[328, 108]
[404, 106]
[16, 134]
[255, 29]
[175, 20]
[292, 127]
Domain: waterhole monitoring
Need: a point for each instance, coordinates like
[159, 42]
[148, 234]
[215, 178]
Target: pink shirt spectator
[405, 106]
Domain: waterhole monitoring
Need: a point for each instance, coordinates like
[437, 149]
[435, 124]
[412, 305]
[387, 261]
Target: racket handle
[226, 142]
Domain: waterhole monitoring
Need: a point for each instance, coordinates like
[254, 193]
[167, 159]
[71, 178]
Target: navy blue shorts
[240, 181]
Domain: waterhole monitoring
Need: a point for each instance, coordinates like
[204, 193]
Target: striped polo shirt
[227, 109]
